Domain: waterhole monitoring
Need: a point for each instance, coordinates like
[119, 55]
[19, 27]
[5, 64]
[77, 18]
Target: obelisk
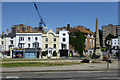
[97, 42]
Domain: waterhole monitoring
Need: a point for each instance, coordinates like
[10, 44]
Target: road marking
[12, 77]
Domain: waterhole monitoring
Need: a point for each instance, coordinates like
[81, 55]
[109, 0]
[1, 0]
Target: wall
[50, 35]
[32, 39]
[61, 36]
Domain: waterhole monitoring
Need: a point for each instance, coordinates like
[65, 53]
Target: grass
[7, 60]
[33, 64]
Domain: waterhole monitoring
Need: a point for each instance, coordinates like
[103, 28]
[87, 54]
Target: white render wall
[115, 42]
[61, 36]
[8, 43]
[7, 40]
[32, 39]
[3, 46]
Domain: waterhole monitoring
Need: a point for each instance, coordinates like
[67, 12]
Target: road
[66, 75]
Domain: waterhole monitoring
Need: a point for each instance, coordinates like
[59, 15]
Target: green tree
[44, 53]
[54, 53]
[77, 40]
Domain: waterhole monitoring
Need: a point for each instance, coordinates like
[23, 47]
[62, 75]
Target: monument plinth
[97, 51]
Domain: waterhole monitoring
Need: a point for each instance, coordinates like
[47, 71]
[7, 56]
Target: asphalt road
[64, 75]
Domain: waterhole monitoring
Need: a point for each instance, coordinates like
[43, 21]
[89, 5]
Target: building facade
[31, 45]
[23, 28]
[50, 42]
[109, 29]
[89, 42]
[115, 43]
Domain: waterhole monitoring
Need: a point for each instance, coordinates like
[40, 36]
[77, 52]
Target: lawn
[7, 60]
[33, 64]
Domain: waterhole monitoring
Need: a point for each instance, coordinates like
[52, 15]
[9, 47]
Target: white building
[3, 44]
[115, 43]
[28, 40]
[30, 45]
[64, 40]
[10, 41]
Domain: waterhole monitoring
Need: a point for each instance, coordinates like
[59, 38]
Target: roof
[77, 28]
[11, 35]
[85, 30]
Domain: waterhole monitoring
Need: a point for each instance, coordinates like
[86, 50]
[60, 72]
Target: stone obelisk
[97, 42]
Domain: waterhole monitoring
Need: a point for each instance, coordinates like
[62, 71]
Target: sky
[58, 14]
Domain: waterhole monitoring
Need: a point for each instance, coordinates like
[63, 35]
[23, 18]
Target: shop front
[32, 53]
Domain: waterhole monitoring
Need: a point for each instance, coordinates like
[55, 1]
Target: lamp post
[109, 46]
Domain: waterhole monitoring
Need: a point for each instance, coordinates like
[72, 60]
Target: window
[1, 42]
[46, 45]
[54, 39]
[63, 46]
[90, 42]
[21, 45]
[11, 41]
[35, 38]
[2, 37]
[21, 38]
[35, 45]
[63, 34]
[11, 37]
[86, 42]
[46, 39]
[63, 39]
[28, 45]
[54, 45]
[24, 29]
[28, 38]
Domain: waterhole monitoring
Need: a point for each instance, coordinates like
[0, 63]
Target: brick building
[24, 28]
[89, 42]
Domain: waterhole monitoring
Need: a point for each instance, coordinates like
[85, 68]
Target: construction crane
[41, 23]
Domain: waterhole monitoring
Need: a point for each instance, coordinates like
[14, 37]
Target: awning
[17, 51]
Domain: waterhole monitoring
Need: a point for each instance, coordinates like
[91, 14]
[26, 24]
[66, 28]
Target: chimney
[68, 27]
[11, 31]
[82, 27]
[7, 31]
[2, 32]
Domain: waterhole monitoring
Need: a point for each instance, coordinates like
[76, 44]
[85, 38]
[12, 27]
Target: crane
[41, 23]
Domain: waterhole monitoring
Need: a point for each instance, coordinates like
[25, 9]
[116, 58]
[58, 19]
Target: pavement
[80, 67]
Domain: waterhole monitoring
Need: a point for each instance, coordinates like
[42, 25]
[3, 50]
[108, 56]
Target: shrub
[54, 53]
[105, 57]
[44, 53]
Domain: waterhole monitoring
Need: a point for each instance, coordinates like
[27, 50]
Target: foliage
[77, 40]
[54, 53]
[105, 57]
[43, 53]
[110, 36]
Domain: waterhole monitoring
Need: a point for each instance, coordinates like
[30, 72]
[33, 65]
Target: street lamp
[109, 46]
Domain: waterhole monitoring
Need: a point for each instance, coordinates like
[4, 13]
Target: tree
[77, 40]
[54, 53]
[44, 53]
